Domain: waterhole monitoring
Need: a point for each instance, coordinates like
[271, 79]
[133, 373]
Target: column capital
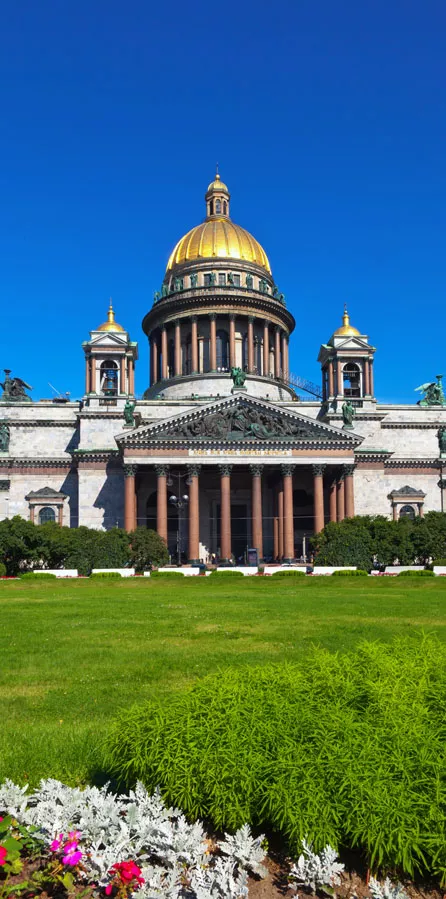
[277, 329]
[348, 470]
[164, 327]
[251, 319]
[161, 470]
[193, 470]
[194, 319]
[256, 470]
[232, 316]
[341, 476]
[287, 470]
[318, 470]
[130, 471]
[212, 316]
[225, 470]
[177, 322]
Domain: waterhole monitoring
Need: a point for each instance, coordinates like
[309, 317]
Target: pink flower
[72, 855]
[127, 872]
[109, 889]
[3, 855]
[57, 842]
[73, 835]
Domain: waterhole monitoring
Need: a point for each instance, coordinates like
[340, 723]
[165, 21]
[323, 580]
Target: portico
[254, 476]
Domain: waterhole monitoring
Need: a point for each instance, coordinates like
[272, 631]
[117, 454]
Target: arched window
[222, 351]
[352, 379]
[218, 207]
[225, 207]
[109, 378]
[46, 514]
[211, 207]
[407, 512]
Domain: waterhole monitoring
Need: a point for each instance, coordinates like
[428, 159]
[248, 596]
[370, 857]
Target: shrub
[41, 576]
[227, 572]
[106, 574]
[338, 749]
[167, 574]
[147, 548]
[423, 573]
[439, 562]
[2, 569]
[358, 573]
[288, 572]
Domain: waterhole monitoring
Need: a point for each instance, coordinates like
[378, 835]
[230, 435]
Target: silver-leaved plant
[177, 859]
[387, 889]
[316, 869]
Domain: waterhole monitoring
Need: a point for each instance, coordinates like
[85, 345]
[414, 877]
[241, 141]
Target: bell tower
[110, 358]
[347, 366]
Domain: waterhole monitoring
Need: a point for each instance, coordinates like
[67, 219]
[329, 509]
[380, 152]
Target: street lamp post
[179, 502]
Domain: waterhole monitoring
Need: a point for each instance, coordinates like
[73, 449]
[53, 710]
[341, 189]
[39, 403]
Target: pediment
[353, 343]
[109, 339]
[240, 420]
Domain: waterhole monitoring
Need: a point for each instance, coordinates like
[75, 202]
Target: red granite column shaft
[277, 366]
[280, 519]
[250, 344]
[333, 509]
[257, 521]
[225, 513]
[178, 371]
[194, 514]
[232, 341]
[129, 498]
[288, 515]
[265, 349]
[213, 342]
[330, 378]
[161, 501]
[164, 354]
[194, 347]
[341, 498]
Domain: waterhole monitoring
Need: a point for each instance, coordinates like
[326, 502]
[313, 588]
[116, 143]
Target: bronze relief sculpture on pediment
[243, 422]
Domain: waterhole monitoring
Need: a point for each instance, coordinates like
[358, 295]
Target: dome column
[285, 371]
[250, 344]
[131, 370]
[231, 340]
[366, 377]
[372, 388]
[164, 353]
[178, 371]
[277, 371]
[194, 347]
[213, 341]
[265, 349]
[154, 359]
[330, 378]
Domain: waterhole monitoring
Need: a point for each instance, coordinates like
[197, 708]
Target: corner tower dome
[218, 237]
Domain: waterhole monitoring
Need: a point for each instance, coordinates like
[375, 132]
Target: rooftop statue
[129, 416]
[433, 393]
[238, 377]
[14, 389]
[348, 413]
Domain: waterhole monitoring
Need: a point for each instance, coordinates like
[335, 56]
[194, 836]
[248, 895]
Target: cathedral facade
[221, 454]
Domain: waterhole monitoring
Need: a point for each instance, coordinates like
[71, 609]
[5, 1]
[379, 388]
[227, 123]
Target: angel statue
[238, 376]
[14, 389]
[433, 393]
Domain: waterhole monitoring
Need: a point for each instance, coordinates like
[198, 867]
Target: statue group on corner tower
[433, 393]
[14, 389]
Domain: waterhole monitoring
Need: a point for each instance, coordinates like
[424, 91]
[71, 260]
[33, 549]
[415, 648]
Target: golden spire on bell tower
[217, 198]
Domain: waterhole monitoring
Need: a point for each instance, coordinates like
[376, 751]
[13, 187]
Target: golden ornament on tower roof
[217, 184]
[346, 329]
[110, 324]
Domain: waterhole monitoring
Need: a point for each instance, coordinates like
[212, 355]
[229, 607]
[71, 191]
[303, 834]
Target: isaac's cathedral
[226, 450]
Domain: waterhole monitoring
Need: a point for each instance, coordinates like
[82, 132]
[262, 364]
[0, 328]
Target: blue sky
[328, 121]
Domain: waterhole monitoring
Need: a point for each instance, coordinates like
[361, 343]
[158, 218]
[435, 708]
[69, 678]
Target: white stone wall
[101, 498]
[373, 486]
[14, 503]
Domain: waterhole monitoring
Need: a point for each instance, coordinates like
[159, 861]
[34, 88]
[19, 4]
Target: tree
[20, 545]
[147, 549]
[347, 542]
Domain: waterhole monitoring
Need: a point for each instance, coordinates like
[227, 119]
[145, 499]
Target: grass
[73, 653]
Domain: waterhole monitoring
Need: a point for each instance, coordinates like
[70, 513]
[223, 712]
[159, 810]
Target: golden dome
[218, 184]
[110, 324]
[218, 238]
[346, 329]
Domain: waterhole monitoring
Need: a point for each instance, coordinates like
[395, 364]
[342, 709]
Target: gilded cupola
[110, 324]
[218, 237]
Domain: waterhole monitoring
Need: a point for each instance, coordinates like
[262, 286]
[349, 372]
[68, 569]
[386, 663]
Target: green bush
[2, 569]
[358, 573]
[341, 749]
[147, 548]
[439, 562]
[167, 574]
[227, 572]
[288, 572]
[423, 573]
[106, 574]
[41, 576]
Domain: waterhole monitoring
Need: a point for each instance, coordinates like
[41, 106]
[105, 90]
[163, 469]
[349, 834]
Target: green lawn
[73, 652]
